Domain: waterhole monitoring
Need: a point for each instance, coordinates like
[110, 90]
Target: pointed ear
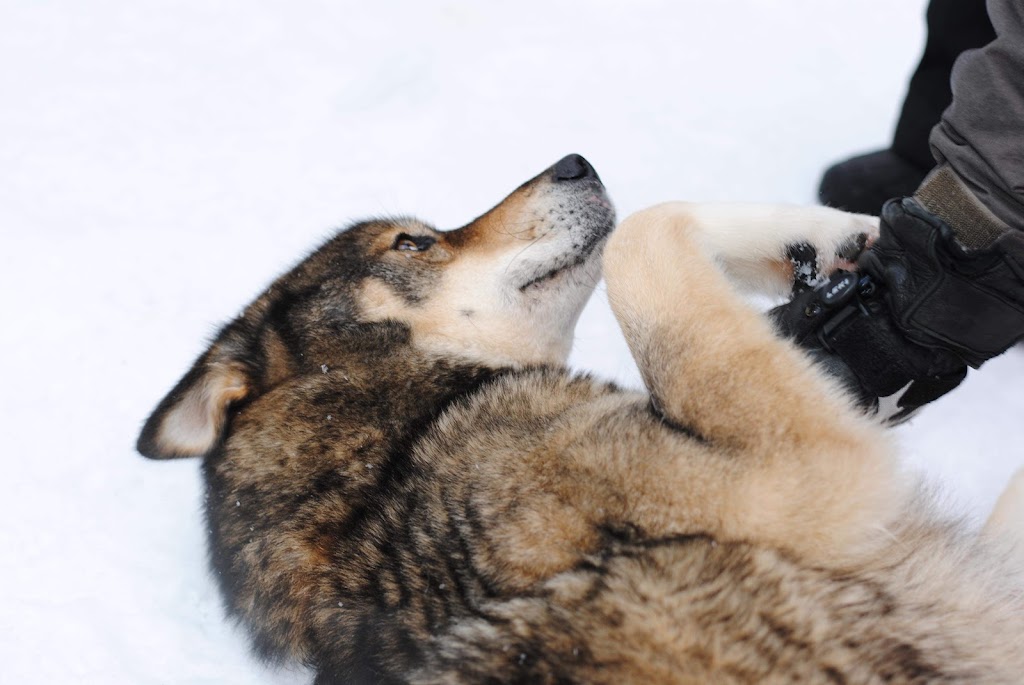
[189, 421]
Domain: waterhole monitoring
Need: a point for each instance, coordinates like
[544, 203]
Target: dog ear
[190, 420]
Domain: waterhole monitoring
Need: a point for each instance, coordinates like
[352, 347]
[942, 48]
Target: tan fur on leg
[816, 477]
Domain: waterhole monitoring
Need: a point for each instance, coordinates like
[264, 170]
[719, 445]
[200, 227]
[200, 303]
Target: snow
[161, 162]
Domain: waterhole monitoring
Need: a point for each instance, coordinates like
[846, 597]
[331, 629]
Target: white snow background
[161, 162]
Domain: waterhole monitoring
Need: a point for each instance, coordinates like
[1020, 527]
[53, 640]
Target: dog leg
[807, 472]
[752, 242]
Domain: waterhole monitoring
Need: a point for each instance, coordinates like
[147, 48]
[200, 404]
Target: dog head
[504, 290]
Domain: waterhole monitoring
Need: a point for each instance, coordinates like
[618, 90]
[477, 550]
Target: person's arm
[981, 134]
[942, 288]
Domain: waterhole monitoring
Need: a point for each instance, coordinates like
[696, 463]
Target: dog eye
[412, 243]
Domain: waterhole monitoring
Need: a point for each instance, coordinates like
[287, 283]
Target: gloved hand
[902, 329]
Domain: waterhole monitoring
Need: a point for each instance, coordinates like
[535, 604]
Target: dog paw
[810, 271]
[812, 265]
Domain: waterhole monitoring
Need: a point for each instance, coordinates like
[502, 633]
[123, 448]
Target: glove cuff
[947, 197]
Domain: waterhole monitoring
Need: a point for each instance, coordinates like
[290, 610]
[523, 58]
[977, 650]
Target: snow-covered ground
[161, 162]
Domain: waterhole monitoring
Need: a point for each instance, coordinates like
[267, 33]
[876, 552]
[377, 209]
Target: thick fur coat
[406, 485]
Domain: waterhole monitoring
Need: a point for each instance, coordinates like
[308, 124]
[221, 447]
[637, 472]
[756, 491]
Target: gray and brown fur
[405, 484]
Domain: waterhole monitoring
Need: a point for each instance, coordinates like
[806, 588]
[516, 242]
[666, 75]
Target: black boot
[941, 289]
[863, 183]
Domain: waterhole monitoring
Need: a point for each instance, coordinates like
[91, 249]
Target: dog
[404, 483]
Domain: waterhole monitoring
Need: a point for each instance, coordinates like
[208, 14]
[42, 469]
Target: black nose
[572, 168]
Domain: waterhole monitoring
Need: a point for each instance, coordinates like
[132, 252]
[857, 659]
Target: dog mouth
[578, 215]
[580, 257]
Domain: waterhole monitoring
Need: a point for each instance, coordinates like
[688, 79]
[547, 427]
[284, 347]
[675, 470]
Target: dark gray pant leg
[954, 26]
[981, 135]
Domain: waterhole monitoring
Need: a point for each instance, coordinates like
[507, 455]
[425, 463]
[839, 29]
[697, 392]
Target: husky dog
[406, 485]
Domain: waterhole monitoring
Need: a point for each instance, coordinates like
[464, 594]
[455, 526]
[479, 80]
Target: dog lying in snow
[405, 483]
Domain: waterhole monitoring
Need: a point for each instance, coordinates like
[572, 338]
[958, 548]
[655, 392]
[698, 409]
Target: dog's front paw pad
[812, 267]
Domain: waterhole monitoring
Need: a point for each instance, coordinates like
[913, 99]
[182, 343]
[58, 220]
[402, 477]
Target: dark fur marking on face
[410, 280]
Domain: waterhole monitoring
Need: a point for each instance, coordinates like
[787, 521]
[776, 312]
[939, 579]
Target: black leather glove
[902, 330]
